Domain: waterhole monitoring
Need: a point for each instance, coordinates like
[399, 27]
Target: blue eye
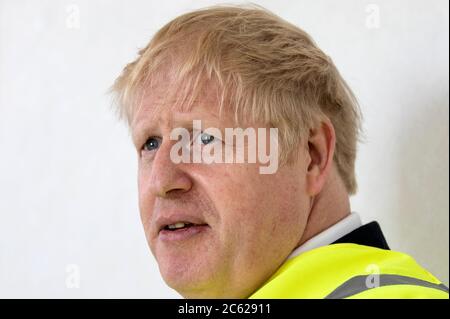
[152, 143]
[206, 138]
[203, 139]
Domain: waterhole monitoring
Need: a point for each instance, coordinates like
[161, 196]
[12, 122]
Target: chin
[189, 286]
[186, 277]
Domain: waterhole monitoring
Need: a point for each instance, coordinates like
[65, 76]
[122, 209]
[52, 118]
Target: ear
[320, 148]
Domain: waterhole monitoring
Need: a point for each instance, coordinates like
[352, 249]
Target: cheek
[145, 198]
[290, 205]
[290, 221]
[263, 211]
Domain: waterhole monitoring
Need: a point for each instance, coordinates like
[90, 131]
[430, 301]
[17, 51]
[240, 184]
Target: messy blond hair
[267, 70]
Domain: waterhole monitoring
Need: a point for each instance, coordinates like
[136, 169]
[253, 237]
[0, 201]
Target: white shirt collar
[329, 235]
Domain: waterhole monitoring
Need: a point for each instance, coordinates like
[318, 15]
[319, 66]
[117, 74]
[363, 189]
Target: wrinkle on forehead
[160, 109]
[160, 100]
[172, 84]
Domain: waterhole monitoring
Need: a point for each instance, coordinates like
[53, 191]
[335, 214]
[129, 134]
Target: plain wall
[68, 203]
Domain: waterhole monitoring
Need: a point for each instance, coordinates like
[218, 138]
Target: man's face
[243, 224]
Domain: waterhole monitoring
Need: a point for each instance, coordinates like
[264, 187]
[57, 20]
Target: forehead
[165, 104]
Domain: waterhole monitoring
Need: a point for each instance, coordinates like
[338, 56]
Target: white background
[68, 193]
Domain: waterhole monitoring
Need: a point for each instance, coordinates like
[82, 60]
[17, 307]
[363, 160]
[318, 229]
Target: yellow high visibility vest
[351, 271]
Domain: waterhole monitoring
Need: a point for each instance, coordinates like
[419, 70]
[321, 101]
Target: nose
[167, 177]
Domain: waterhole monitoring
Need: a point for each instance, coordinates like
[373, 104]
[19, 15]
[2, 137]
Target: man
[223, 228]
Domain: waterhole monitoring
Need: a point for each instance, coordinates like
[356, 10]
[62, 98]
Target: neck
[328, 207]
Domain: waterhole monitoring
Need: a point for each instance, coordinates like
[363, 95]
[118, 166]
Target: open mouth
[179, 225]
[181, 231]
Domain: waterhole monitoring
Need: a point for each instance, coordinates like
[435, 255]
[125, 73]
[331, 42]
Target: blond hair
[267, 69]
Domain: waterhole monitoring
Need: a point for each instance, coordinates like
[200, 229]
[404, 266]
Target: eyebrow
[146, 128]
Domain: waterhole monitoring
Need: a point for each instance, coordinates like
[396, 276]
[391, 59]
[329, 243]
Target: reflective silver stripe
[358, 284]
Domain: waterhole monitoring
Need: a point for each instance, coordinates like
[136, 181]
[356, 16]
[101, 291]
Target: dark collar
[369, 235]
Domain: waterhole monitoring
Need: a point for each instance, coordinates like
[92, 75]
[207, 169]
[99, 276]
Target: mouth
[181, 230]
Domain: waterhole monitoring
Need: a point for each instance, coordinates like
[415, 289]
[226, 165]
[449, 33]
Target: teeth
[177, 225]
